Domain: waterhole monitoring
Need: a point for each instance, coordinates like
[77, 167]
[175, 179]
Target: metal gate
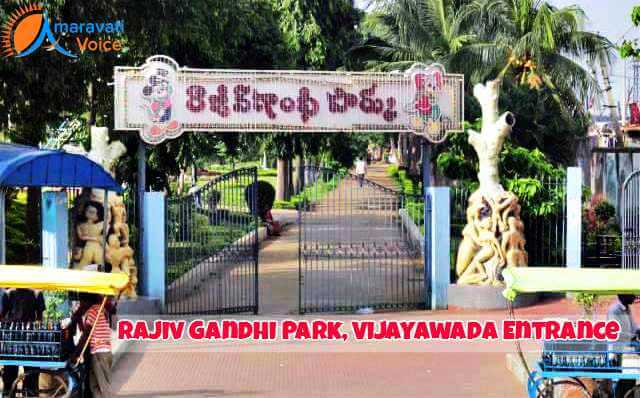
[630, 206]
[212, 247]
[357, 249]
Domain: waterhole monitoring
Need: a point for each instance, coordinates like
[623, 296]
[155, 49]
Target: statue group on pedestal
[88, 240]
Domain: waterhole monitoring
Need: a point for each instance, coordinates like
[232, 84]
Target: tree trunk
[92, 103]
[181, 181]
[33, 233]
[282, 182]
[400, 154]
[289, 178]
[194, 174]
[297, 174]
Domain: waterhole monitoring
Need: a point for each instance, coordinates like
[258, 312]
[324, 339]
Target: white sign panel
[162, 100]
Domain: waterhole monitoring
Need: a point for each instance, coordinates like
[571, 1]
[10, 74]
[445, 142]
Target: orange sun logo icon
[22, 29]
[26, 30]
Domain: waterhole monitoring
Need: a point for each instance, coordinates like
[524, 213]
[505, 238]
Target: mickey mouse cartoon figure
[424, 107]
[157, 94]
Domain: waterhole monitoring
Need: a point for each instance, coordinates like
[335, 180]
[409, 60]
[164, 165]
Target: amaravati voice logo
[26, 30]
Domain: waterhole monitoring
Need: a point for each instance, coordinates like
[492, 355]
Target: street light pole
[140, 190]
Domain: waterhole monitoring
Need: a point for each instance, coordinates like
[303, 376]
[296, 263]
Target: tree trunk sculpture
[494, 235]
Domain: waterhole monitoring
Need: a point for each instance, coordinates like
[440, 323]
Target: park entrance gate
[630, 205]
[212, 247]
[365, 257]
[357, 248]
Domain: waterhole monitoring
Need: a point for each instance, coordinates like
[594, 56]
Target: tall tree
[527, 43]
[317, 34]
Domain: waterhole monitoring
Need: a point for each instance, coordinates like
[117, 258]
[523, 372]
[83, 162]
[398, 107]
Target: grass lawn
[190, 243]
[233, 191]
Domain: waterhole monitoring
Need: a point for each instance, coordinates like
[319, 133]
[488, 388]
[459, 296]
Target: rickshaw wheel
[630, 393]
[547, 388]
[60, 389]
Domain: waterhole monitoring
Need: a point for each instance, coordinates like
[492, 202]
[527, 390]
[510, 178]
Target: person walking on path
[361, 170]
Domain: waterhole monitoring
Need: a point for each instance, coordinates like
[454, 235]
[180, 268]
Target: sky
[611, 18]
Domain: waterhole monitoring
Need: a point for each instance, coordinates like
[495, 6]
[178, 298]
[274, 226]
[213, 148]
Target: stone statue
[117, 252]
[494, 235]
[90, 235]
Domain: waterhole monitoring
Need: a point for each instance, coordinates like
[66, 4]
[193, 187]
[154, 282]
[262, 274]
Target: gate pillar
[574, 217]
[154, 246]
[55, 229]
[438, 249]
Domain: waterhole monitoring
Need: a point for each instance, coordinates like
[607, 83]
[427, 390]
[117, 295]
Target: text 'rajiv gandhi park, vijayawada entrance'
[357, 248]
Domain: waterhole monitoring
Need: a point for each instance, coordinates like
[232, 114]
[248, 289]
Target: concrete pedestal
[139, 306]
[485, 297]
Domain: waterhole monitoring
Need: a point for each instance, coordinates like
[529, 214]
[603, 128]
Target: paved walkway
[279, 271]
[346, 215]
[377, 172]
[316, 375]
[301, 369]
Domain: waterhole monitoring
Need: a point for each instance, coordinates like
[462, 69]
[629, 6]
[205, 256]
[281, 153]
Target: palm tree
[400, 33]
[538, 44]
[529, 40]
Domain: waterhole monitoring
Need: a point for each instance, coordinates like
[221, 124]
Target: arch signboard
[162, 100]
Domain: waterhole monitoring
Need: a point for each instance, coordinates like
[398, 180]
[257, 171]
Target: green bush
[56, 306]
[406, 184]
[266, 197]
[392, 171]
[605, 211]
[415, 210]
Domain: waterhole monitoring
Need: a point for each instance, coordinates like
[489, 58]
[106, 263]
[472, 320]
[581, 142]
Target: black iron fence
[356, 249]
[545, 228]
[212, 247]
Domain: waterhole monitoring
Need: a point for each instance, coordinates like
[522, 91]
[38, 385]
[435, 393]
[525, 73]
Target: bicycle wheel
[58, 388]
[631, 393]
[548, 388]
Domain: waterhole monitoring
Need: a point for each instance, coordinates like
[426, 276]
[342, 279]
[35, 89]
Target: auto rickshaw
[45, 346]
[569, 363]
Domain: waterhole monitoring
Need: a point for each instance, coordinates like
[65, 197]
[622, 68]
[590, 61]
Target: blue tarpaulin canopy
[24, 166]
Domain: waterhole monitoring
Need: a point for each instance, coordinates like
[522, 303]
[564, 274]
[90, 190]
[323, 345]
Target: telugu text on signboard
[162, 100]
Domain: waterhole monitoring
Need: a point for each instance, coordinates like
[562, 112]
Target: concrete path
[278, 273]
[298, 375]
[377, 172]
[348, 219]
[303, 369]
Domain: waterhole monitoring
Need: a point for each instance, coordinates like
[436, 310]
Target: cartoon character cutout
[424, 110]
[157, 94]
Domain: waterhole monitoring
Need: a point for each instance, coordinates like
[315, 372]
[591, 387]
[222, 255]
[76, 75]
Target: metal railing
[546, 234]
[212, 247]
[355, 251]
[630, 205]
